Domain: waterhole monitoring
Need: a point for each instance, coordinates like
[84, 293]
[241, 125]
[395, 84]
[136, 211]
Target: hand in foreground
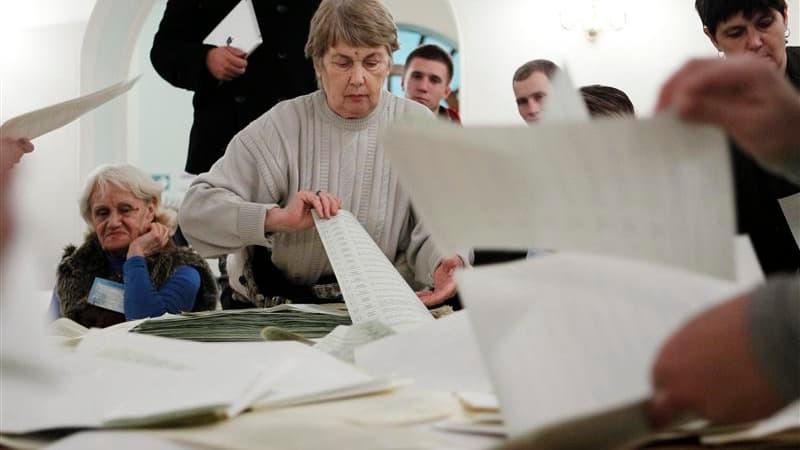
[444, 284]
[708, 368]
[153, 241]
[296, 216]
[744, 95]
[11, 151]
[226, 63]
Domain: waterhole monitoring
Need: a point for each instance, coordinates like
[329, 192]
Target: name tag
[107, 294]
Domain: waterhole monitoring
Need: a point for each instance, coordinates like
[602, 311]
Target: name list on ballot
[371, 286]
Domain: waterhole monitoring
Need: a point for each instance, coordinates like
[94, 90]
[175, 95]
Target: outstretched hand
[444, 284]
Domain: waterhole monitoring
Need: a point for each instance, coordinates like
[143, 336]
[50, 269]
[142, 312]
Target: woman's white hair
[130, 179]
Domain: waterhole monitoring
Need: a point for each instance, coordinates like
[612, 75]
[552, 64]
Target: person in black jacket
[759, 28]
[231, 88]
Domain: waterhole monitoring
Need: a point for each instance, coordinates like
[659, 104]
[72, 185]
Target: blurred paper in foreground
[655, 190]
[571, 334]
[36, 123]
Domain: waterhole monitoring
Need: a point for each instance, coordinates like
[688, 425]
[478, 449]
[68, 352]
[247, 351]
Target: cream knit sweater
[301, 144]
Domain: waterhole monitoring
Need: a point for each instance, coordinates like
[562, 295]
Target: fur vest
[80, 266]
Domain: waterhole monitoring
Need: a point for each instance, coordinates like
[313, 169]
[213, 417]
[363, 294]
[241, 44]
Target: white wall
[27, 14]
[429, 15]
[106, 58]
[497, 37]
[40, 44]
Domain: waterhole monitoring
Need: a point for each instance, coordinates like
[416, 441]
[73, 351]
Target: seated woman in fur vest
[128, 268]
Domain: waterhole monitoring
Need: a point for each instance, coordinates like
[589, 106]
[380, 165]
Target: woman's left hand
[444, 285]
[151, 242]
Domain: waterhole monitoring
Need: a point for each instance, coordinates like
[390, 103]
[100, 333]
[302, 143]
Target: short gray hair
[360, 23]
[547, 67]
[129, 178]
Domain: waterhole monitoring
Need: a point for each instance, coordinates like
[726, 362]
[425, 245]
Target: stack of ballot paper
[308, 321]
[118, 379]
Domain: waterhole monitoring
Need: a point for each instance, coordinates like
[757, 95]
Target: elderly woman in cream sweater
[317, 152]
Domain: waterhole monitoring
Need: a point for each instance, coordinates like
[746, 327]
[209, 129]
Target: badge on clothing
[107, 294]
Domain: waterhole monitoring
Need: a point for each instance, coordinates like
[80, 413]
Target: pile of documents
[308, 321]
[119, 379]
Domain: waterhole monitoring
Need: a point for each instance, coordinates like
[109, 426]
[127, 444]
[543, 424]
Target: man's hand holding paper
[226, 63]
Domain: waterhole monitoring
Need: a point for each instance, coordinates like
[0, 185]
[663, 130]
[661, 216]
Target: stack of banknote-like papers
[308, 321]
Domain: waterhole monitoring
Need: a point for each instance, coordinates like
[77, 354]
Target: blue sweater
[141, 299]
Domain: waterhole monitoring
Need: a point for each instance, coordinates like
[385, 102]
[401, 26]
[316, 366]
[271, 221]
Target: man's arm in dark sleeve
[178, 53]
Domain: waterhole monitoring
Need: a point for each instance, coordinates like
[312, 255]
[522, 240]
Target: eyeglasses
[103, 213]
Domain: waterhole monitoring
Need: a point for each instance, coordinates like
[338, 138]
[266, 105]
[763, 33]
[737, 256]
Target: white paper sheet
[442, 355]
[371, 286]
[573, 334]
[479, 401]
[791, 210]
[302, 383]
[130, 379]
[325, 426]
[238, 29]
[66, 328]
[118, 440]
[36, 123]
[654, 189]
[788, 418]
[748, 269]
[491, 428]
[405, 410]
[96, 392]
[564, 103]
[343, 340]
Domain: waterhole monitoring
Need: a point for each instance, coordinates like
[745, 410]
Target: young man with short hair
[531, 86]
[426, 79]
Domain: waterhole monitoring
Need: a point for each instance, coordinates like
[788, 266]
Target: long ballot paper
[36, 123]
[654, 189]
[371, 286]
[238, 29]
